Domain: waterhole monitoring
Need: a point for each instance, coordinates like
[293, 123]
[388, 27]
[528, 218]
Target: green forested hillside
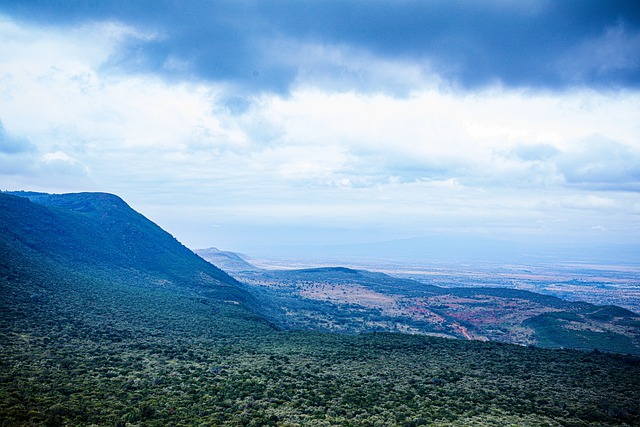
[93, 232]
[94, 333]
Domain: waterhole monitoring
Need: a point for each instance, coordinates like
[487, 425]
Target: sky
[258, 125]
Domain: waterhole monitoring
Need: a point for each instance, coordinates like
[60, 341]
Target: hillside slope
[95, 230]
[64, 253]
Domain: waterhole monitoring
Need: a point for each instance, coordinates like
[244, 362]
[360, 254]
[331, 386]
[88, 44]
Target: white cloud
[429, 158]
[58, 156]
[478, 138]
[588, 201]
[601, 163]
[59, 164]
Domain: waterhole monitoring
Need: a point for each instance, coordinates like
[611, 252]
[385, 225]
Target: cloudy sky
[246, 124]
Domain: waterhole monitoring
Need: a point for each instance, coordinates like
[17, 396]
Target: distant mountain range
[106, 319]
[467, 249]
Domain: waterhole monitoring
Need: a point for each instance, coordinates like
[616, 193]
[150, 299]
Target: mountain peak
[100, 230]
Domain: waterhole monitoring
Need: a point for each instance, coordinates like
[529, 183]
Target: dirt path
[463, 331]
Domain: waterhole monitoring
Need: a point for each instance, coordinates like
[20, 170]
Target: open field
[594, 283]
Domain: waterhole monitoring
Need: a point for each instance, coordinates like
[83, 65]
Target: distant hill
[230, 262]
[344, 300]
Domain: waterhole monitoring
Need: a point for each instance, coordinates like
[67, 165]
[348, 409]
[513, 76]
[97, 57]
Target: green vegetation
[100, 340]
[555, 330]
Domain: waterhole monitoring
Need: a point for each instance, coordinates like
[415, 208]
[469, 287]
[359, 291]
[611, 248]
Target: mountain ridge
[109, 233]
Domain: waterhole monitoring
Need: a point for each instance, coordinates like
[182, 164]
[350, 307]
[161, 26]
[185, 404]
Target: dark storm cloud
[548, 44]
